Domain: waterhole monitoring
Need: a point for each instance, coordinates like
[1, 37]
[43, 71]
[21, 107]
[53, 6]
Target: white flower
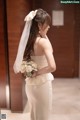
[33, 64]
[23, 69]
[27, 67]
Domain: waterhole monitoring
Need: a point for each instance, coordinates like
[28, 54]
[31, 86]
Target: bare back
[43, 46]
[38, 49]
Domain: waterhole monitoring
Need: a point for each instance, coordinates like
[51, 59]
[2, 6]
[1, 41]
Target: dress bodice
[41, 62]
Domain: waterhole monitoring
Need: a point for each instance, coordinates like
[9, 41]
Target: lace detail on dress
[38, 80]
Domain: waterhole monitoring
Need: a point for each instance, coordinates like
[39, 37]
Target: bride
[34, 44]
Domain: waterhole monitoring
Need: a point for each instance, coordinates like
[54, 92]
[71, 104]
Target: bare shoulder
[45, 43]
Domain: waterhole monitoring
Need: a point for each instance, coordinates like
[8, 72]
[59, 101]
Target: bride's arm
[48, 51]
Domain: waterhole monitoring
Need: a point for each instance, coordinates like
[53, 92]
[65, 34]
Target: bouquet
[28, 68]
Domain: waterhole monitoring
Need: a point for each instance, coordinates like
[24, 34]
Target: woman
[38, 47]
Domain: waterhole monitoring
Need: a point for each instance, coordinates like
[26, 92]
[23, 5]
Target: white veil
[23, 41]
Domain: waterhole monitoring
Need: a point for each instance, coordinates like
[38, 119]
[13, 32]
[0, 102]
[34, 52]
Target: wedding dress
[39, 92]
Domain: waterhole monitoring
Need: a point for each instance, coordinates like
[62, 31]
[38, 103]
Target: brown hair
[41, 17]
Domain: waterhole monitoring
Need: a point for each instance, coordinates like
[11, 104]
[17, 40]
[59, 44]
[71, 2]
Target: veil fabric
[23, 41]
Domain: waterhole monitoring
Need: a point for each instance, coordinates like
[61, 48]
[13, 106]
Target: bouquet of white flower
[28, 68]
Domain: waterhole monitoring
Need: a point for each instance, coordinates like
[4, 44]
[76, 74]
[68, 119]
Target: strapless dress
[41, 62]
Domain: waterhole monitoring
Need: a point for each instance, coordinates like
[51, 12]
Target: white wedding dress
[39, 92]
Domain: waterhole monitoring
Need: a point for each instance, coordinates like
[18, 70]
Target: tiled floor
[66, 102]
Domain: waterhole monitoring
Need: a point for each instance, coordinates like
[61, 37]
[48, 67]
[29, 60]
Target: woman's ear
[40, 26]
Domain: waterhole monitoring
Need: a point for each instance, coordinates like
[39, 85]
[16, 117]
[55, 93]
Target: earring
[39, 32]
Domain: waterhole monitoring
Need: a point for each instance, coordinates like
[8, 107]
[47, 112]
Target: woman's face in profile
[44, 29]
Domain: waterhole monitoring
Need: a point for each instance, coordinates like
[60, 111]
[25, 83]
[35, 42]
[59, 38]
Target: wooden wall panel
[77, 38]
[63, 40]
[2, 59]
[16, 11]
